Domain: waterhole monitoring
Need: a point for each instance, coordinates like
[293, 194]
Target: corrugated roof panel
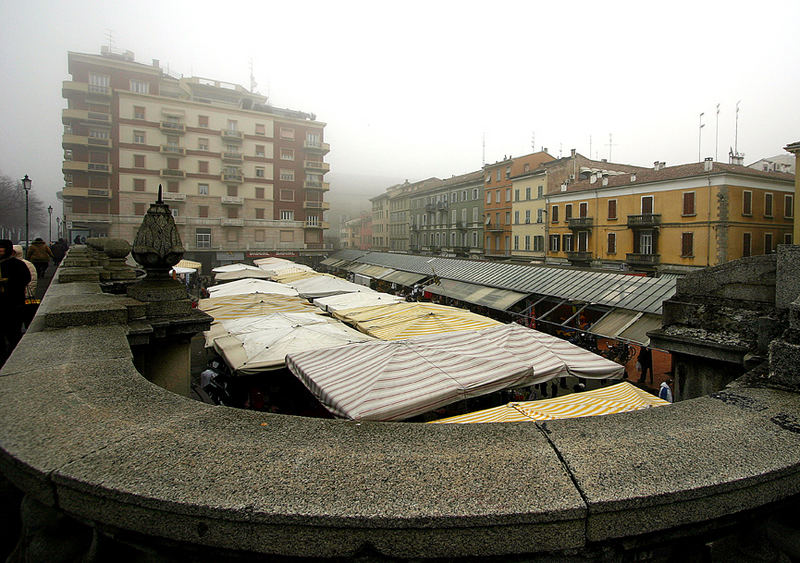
[614, 322]
[499, 299]
[637, 332]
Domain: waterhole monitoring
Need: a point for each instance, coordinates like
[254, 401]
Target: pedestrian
[30, 290]
[59, 249]
[646, 361]
[14, 277]
[77, 239]
[664, 392]
[40, 254]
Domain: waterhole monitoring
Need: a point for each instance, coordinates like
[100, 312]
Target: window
[475, 239]
[567, 212]
[612, 208]
[138, 184]
[139, 86]
[583, 209]
[527, 216]
[203, 237]
[233, 190]
[233, 213]
[202, 166]
[202, 189]
[464, 195]
[260, 129]
[747, 240]
[287, 154]
[539, 213]
[287, 215]
[508, 172]
[138, 161]
[175, 212]
[172, 186]
[611, 243]
[138, 112]
[98, 133]
[508, 194]
[202, 144]
[287, 195]
[260, 150]
[488, 177]
[233, 125]
[646, 242]
[488, 197]
[768, 205]
[508, 217]
[172, 164]
[540, 192]
[498, 175]
[747, 204]
[287, 133]
[259, 212]
[516, 242]
[516, 217]
[474, 214]
[287, 236]
[528, 193]
[138, 208]
[259, 171]
[259, 193]
[538, 243]
[202, 211]
[647, 205]
[769, 247]
[788, 207]
[554, 213]
[260, 235]
[555, 243]
[202, 121]
[567, 243]
[475, 194]
[688, 203]
[99, 83]
[287, 175]
[687, 244]
[497, 219]
[787, 238]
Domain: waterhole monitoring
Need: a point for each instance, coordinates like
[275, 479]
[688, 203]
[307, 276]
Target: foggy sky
[408, 90]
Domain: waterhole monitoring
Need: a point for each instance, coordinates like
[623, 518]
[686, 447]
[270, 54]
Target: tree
[12, 210]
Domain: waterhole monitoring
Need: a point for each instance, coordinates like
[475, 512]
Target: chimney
[544, 149]
[659, 165]
[633, 177]
[605, 179]
[572, 153]
[156, 64]
[737, 159]
[708, 164]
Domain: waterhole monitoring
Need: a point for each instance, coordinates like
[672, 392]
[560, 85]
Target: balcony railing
[324, 205]
[172, 173]
[232, 135]
[312, 185]
[173, 196]
[644, 220]
[84, 141]
[95, 117]
[232, 157]
[97, 90]
[317, 165]
[172, 127]
[231, 222]
[638, 259]
[461, 225]
[317, 225]
[173, 150]
[579, 256]
[71, 191]
[580, 223]
[89, 217]
[232, 177]
[232, 200]
[316, 146]
[430, 207]
[79, 166]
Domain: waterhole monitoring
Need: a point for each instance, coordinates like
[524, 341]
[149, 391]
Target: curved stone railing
[83, 433]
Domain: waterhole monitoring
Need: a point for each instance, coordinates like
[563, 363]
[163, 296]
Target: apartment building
[357, 232]
[380, 222]
[446, 218]
[399, 212]
[670, 219]
[498, 199]
[242, 178]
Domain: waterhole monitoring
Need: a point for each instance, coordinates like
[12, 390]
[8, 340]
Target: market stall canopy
[234, 268]
[254, 304]
[179, 270]
[254, 273]
[622, 397]
[401, 320]
[271, 260]
[492, 297]
[257, 344]
[400, 379]
[274, 270]
[405, 278]
[627, 325]
[240, 287]
[345, 301]
[289, 277]
[326, 285]
[189, 264]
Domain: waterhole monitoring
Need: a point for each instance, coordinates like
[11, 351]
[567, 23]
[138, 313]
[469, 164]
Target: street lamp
[50, 227]
[26, 184]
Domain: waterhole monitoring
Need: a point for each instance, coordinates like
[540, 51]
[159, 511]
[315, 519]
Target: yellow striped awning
[254, 305]
[622, 397]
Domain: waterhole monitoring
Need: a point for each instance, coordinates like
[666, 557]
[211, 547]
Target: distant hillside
[350, 194]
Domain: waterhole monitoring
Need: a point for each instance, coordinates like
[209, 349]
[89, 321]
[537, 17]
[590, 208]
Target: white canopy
[180, 270]
[254, 273]
[325, 285]
[234, 268]
[273, 270]
[352, 300]
[240, 287]
[394, 380]
[271, 260]
[258, 344]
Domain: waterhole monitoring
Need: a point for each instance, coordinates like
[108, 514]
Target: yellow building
[380, 222]
[528, 215]
[794, 148]
[670, 219]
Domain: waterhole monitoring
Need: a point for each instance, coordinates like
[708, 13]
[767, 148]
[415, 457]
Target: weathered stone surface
[787, 282]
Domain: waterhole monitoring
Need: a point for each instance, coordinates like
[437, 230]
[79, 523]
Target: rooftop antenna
[110, 39]
[736, 133]
[610, 144]
[716, 139]
[590, 146]
[533, 141]
[483, 149]
[700, 137]
[252, 78]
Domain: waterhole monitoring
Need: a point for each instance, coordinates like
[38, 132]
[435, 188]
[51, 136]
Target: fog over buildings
[432, 89]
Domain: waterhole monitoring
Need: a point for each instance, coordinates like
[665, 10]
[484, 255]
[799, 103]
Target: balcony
[173, 196]
[232, 222]
[232, 200]
[172, 173]
[580, 223]
[71, 88]
[492, 228]
[172, 128]
[231, 135]
[89, 217]
[644, 221]
[232, 157]
[323, 205]
[316, 225]
[320, 186]
[173, 150]
[461, 225]
[582, 257]
[71, 191]
[95, 117]
[430, 207]
[317, 147]
[637, 259]
[179, 220]
[83, 141]
[316, 165]
[232, 177]
[79, 166]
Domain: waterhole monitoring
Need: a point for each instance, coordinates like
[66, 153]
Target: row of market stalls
[606, 304]
[371, 355]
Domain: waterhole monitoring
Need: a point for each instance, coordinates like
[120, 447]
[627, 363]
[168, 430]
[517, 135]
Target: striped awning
[253, 304]
[325, 285]
[622, 397]
[408, 320]
[499, 299]
[355, 300]
[189, 264]
[401, 379]
[241, 287]
[241, 275]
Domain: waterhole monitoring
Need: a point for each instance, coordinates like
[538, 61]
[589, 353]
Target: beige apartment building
[243, 178]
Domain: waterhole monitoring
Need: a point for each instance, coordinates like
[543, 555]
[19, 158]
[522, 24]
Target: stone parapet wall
[85, 436]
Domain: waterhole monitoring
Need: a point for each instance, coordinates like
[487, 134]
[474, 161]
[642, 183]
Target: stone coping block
[83, 431]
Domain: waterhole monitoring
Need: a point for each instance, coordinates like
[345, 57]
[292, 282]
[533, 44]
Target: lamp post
[50, 225]
[26, 184]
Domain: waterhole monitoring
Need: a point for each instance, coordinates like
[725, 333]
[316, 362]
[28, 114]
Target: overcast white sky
[409, 89]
